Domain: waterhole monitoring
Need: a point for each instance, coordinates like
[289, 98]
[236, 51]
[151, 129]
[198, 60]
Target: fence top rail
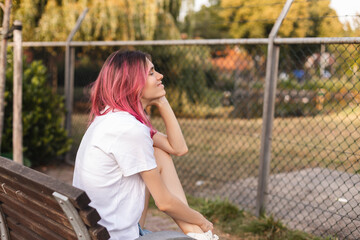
[147, 43]
[241, 41]
[318, 40]
[175, 42]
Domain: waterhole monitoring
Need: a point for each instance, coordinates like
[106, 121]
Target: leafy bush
[44, 138]
[184, 68]
[207, 107]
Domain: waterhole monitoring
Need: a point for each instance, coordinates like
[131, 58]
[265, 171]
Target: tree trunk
[3, 49]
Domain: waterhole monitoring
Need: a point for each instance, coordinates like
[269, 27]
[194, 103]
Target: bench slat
[57, 216]
[99, 232]
[21, 230]
[90, 216]
[30, 224]
[28, 204]
[35, 217]
[34, 193]
[45, 203]
[42, 182]
[17, 236]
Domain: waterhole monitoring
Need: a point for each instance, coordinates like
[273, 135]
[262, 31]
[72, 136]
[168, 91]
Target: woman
[122, 158]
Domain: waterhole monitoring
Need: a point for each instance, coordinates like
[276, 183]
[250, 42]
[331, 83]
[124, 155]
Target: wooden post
[17, 102]
[3, 49]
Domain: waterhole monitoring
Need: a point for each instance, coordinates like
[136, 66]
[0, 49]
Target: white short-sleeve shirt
[114, 150]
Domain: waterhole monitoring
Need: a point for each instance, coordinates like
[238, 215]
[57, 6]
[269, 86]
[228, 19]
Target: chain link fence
[217, 93]
[314, 183]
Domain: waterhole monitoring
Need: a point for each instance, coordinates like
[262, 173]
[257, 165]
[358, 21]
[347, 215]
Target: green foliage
[267, 226]
[106, 20]
[270, 228]
[230, 219]
[245, 19]
[44, 138]
[348, 60]
[189, 79]
[293, 84]
[26, 161]
[207, 24]
[219, 210]
[167, 29]
[172, 7]
[206, 107]
[183, 69]
[221, 213]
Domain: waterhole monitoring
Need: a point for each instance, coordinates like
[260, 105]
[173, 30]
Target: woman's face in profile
[153, 88]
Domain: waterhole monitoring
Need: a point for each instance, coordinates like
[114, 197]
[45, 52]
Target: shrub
[44, 138]
[184, 68]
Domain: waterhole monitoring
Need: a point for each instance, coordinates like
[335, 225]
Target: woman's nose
[160, 76]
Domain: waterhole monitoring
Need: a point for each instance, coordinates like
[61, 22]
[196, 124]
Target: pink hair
[120, 84]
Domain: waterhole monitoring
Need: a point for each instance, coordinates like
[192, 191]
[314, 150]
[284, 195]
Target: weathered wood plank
[26, 197]
[20, 230]
[17, 236]
[5, 181]
[34, 219]
[30, 224]
[90, 216]
[99, 232]
[42, 182]
[41, 207]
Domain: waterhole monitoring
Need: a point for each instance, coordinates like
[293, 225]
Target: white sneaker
[203, 236]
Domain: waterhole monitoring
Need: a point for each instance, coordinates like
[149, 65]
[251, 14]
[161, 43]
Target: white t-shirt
[114, 150]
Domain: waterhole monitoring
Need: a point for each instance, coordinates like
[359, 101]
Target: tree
[30, 13]
[44, 137]
[3, 53]
[305, 19]
[172, 7]
[207, 23]
[106, 20]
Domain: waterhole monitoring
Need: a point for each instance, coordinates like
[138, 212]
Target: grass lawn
[231, 223]
[226, 150]
[222, 150]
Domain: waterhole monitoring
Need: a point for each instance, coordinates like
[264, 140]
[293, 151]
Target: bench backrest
[36, 206]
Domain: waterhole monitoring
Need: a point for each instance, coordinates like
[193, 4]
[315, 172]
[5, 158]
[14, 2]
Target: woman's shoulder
[121, 121]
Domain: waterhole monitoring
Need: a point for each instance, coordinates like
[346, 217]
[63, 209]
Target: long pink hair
[120, 84]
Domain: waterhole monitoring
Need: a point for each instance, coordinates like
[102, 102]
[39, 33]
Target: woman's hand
[158, 101]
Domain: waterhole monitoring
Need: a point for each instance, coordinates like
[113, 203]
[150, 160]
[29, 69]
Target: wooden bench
[36, 206]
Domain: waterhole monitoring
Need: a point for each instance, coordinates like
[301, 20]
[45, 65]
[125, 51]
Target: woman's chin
[162, 94]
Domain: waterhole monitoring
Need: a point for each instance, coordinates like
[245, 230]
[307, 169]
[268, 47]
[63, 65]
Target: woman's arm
[170, 204]
[174, 142]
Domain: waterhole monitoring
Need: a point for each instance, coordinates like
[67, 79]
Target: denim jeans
[143, 232]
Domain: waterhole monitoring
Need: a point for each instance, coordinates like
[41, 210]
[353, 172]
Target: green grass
[230, 219]
[223, 150]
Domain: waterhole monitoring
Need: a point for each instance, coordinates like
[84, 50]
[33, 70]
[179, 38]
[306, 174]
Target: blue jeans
[143, 232]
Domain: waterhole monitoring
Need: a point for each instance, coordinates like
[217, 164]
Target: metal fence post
[17, 104]
[69, 75]
[268, 112]
[322, 60]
